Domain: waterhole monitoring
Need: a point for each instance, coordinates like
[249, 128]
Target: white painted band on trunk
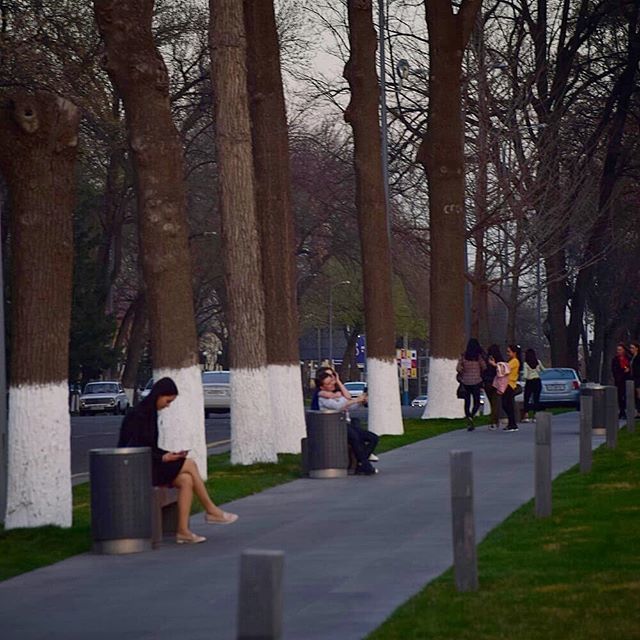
[39, 460]
[181, 424]
[443, 402]
[287, 406]
[252, 434]
[385, 413]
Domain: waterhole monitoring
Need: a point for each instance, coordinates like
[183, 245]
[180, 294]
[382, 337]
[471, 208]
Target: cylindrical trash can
[597, 392]
[327, 450]
[120, 499]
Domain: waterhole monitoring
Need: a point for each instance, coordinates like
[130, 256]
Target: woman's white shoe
[227, 518]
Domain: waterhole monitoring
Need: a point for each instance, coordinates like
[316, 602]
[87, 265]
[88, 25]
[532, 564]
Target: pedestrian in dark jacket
[470, 366]
[140, 429]
[621, 370]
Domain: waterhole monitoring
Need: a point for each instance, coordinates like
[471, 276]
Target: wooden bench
[164, 513]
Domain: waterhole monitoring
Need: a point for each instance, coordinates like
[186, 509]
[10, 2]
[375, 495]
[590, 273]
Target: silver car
[103, 397]
[560, 386]
[217, 392]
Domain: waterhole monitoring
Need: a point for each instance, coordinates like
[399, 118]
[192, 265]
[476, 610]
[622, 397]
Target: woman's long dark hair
[531, 358]
[164, 387]
[473, 351]
[495, 353]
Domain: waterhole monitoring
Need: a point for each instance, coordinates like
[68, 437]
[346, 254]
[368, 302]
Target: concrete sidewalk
[355, 549]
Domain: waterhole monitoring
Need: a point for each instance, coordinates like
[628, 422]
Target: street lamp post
[337, 284]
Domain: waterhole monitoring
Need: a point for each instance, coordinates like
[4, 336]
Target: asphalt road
[95, 432]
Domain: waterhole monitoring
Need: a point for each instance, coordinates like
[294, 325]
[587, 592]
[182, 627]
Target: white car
[356, 388]
[420, 401]
[103, 397]
[216, 386]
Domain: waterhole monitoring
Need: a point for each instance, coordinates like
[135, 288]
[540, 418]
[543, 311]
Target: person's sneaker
[515, 428]
[493, 427]
[366, 470]
[524, 420]
[373, 457]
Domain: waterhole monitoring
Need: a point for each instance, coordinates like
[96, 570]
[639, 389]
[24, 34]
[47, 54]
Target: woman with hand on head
[508, 397]
[140, 429]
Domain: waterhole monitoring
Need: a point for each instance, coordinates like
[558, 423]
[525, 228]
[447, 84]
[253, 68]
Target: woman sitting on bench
[140, 429]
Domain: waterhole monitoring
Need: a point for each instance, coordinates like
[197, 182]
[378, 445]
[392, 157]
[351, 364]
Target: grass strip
[23, 550]
[575, 575]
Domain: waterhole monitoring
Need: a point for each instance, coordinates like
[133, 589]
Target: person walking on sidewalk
[488, 376]
[621, 370]
[532, 383]
[470, 366]
[508, 397]
[634, 366]
[140, 429]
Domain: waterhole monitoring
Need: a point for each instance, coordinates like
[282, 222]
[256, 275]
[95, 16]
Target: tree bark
[135, 346]
[385, 416]
[251, 435]
[442, 155]
[38, 146]
[140, 76]
[275, 220]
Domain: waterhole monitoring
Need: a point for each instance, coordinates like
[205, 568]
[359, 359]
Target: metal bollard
[586, 421]
[611, 416]
[463, 522]
[543, 465]
[630, 388]
[260, 597]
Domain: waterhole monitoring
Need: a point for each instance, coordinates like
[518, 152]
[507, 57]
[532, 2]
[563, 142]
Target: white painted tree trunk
[130, 394]
[39, 482]
[250, 410]
[287, 406]
[443, 402]
[181, 424]
[385, 413]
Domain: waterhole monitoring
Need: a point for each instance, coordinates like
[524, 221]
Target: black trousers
[509, 406]
[622, 397]
[472, 391]
[363, 443]
[532, 388]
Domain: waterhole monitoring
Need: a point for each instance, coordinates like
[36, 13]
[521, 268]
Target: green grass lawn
[27, 549]
[573, 575]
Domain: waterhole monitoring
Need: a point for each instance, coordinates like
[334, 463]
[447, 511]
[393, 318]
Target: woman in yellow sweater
[508, 396]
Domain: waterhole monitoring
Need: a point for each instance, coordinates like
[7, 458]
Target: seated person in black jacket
[140, 429]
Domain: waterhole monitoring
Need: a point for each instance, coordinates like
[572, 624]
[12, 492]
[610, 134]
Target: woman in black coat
[140, 429]
[634, 365]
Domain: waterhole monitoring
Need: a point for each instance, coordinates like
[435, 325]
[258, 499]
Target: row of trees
[201, 211]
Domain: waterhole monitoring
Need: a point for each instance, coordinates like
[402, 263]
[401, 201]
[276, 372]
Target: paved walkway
[355, 548]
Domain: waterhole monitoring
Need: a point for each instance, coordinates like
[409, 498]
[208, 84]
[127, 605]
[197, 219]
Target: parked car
[420, 401]
[356, 388]
[217, 392]
[147, 389]
[103, 397]
[560, 386]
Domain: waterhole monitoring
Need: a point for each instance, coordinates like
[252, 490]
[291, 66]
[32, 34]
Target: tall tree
[139, 74]
[38, 144]
[385, 416]
[442, 155]
[252, 438]
[275, 219]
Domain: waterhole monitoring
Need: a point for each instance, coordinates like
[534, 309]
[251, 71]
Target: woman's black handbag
[461, 392]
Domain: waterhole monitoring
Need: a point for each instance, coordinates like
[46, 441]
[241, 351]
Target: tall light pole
[337, 284]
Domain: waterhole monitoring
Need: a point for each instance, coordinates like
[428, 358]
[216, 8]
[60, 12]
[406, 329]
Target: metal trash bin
[327, 449]
[120, 499]
[596, 391]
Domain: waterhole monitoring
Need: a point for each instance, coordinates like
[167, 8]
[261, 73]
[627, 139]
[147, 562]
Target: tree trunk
[275, 219]
[385, 416]
[38, 145]
[140, 76]
[135, 347]
[251, 434]
[442, 155]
